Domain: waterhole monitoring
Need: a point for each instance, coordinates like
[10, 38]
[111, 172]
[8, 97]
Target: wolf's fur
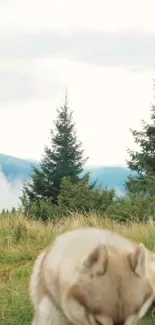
[91, 276]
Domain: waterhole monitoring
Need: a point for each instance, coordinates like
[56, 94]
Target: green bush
[74, 197]
[81, 197]
[138, 208]
[43, 210]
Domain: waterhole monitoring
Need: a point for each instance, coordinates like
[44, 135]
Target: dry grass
[22, 239]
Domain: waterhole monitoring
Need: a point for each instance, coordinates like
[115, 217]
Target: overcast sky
[103, 51]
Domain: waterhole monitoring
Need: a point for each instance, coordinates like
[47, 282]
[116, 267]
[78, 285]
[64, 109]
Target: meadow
[22, 239]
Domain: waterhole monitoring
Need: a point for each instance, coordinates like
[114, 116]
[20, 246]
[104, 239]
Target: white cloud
[120, 48]
[9, 193]
[97, 49]
[106, 102]
[94, 14]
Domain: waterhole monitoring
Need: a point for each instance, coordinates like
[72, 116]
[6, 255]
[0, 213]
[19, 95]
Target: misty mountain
[17, 169]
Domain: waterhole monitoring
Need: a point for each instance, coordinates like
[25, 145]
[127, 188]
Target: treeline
[57, 187]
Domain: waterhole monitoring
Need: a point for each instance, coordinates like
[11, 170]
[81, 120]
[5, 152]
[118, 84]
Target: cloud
[14, 86]
[27, 82]
[121, 48]
[9, 193]
[4, 3]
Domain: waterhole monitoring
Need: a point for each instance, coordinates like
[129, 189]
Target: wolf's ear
[138, 260]
[97, 260]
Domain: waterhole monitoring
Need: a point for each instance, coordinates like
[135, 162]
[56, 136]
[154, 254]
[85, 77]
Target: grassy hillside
[20, 242]
[19, 169]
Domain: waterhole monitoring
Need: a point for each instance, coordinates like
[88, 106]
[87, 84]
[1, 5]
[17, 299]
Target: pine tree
[64, 157]
[142, 162]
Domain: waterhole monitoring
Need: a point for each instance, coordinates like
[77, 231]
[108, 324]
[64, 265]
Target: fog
[9, 192]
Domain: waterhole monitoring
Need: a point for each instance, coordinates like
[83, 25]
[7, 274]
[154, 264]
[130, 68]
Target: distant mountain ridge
[15, 168]
[107, 176]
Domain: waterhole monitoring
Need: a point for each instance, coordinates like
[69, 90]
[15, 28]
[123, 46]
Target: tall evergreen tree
[64, 157]
[142, 162]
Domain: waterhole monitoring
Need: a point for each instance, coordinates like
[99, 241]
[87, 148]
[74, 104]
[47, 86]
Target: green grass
[20, 242]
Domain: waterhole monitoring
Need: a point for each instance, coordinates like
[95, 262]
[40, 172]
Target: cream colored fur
[92, 276]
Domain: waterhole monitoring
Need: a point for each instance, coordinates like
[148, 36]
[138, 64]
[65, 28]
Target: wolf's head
[111, 288]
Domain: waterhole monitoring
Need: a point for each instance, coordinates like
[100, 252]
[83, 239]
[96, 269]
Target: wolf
[92, 276]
